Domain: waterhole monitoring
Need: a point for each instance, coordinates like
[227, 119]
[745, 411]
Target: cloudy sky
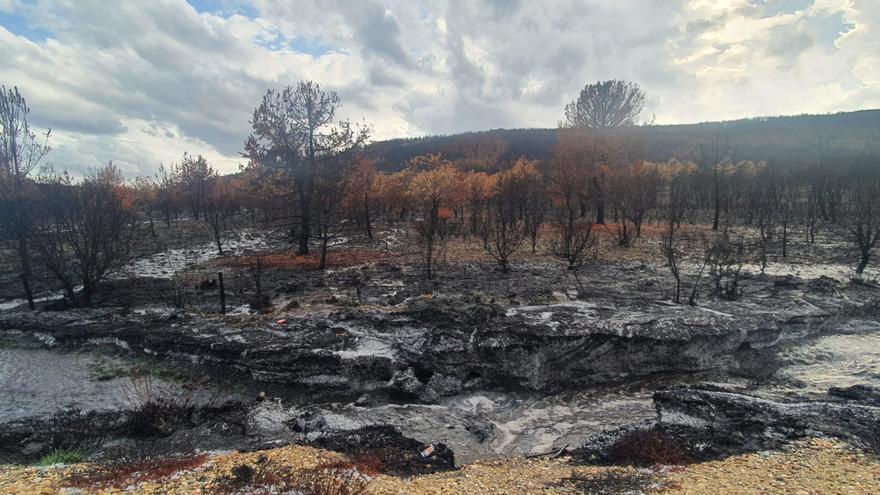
[139, 82]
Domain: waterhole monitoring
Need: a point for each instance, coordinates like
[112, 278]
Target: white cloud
[140, 82]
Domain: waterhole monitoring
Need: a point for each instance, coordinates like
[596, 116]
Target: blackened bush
[156, 409]
[648, 448]
[71, 430]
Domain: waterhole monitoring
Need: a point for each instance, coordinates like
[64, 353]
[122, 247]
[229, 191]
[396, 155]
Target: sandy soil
[813, 466]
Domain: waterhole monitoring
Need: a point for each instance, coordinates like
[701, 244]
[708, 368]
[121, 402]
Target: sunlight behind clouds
[412, 69]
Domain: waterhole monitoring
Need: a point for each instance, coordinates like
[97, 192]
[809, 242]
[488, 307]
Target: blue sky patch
[16, 23]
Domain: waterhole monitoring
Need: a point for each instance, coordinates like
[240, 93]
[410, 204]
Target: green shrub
[61, 456]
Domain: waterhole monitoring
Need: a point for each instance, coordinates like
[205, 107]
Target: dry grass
[467, 249]
[265, 476]
[124, 474]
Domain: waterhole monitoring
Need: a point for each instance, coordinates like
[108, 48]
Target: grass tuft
[61, 456]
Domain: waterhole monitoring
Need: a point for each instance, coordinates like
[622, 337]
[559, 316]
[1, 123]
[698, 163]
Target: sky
[140, 82]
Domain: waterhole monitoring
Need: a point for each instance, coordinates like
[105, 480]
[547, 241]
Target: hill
[775, 139]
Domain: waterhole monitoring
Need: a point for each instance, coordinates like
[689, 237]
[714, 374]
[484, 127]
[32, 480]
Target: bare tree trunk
[24, 257]
[305, 227]
[367, 220]
[28, 293]
[324, 241]
[716, 194]
[863, 260]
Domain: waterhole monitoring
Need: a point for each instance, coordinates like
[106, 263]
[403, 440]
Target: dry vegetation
[811, 466]
[595, 198]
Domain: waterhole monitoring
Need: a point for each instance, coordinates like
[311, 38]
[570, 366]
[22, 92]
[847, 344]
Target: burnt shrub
[71, 430]
[158, 409]
[648, 448]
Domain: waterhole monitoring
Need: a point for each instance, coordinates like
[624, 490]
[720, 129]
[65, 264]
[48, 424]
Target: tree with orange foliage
[87, 229]
[525, 186]
[433, 191]
[394, 193]
[503, 229]
[479, 188]
[568, 177]
[635, 189]
[590, 158]
[361, 191]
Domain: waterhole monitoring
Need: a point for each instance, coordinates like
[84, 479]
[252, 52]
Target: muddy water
[493, 423]
[490, 424]
[40, 382]
[486, 424]
[831, 361]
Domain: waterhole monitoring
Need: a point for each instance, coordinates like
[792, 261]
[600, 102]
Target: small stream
[36, 382]
[475, 425]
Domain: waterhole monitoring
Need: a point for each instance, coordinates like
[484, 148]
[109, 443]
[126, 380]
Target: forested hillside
[786, 139]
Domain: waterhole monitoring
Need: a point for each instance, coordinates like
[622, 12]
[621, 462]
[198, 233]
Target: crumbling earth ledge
[706, 423]
[426, 348]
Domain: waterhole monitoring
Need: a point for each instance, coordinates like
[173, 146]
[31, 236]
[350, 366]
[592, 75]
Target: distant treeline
[790, 139]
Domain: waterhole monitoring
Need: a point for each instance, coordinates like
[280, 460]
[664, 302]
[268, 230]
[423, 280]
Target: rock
[787, 281]
[858, 326]
[823, 284]
[406, 381]
[709, 423]
[170, 314]
[764, 423]
[438, 386]
[861, 393]
[481, 430]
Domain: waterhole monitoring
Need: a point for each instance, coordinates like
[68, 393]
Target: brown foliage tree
[361, 192]
[433, 191]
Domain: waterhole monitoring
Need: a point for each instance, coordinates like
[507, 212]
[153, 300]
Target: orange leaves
[675, 168]
[479, 186]
[361, 190]
[444, 213]
[439, 183]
